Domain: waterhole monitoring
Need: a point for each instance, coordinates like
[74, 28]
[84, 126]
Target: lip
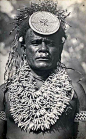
[43, 58]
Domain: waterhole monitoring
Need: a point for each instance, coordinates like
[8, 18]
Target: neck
[41, 74]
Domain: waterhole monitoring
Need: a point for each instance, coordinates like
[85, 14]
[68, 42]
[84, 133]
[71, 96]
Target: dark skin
[43, 53]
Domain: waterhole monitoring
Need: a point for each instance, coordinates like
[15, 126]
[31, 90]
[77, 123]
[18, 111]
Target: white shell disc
[44, 22]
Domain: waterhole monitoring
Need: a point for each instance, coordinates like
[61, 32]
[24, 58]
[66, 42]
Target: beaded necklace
[34, 109]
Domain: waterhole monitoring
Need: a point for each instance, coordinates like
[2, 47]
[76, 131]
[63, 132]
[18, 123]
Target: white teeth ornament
[38, 110]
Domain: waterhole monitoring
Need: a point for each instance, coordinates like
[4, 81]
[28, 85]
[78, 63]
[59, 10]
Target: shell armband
[81, 116]
[2, 116]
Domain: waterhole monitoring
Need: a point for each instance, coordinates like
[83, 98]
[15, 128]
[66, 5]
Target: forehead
[30, 34]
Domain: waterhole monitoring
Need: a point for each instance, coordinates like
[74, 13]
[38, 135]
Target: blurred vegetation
[74, 54]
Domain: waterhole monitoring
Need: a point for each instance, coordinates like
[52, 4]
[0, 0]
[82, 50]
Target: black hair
[21, 20]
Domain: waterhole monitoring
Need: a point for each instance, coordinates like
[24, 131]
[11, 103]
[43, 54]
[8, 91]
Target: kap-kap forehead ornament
[44, 22]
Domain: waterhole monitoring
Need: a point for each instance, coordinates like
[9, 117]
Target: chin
[43, 66]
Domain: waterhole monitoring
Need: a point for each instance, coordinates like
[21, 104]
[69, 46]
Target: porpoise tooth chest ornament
[34, 110]
[44, 23]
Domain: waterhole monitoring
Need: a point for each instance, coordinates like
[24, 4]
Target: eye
[49, 42]
[36, 42]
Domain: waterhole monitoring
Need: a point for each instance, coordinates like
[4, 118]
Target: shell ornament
[33, 109]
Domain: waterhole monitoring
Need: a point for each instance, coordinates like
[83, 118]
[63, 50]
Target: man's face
[42, 52]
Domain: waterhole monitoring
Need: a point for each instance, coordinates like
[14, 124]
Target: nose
[44, 47]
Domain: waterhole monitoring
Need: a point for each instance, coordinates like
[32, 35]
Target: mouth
[43, 57]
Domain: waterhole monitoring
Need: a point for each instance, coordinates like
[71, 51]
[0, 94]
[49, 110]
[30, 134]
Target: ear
[21, 49]
[60, 50]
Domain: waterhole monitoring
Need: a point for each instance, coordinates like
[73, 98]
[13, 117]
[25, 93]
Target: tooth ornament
[34, 110]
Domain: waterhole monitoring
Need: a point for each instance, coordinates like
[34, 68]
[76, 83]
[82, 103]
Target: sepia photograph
[42, 69]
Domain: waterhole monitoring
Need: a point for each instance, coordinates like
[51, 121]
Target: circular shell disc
[44, 23]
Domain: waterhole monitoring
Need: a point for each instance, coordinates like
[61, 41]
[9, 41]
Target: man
[38, 98]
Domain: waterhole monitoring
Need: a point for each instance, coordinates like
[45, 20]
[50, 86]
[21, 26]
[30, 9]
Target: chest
[62, 128]
[57, 131]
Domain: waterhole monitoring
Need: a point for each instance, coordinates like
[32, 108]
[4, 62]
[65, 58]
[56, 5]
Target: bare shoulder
[80, 92]
[2, 90]
[2, 121]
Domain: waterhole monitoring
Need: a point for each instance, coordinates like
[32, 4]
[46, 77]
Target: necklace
[34, 109]
[38, 78]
